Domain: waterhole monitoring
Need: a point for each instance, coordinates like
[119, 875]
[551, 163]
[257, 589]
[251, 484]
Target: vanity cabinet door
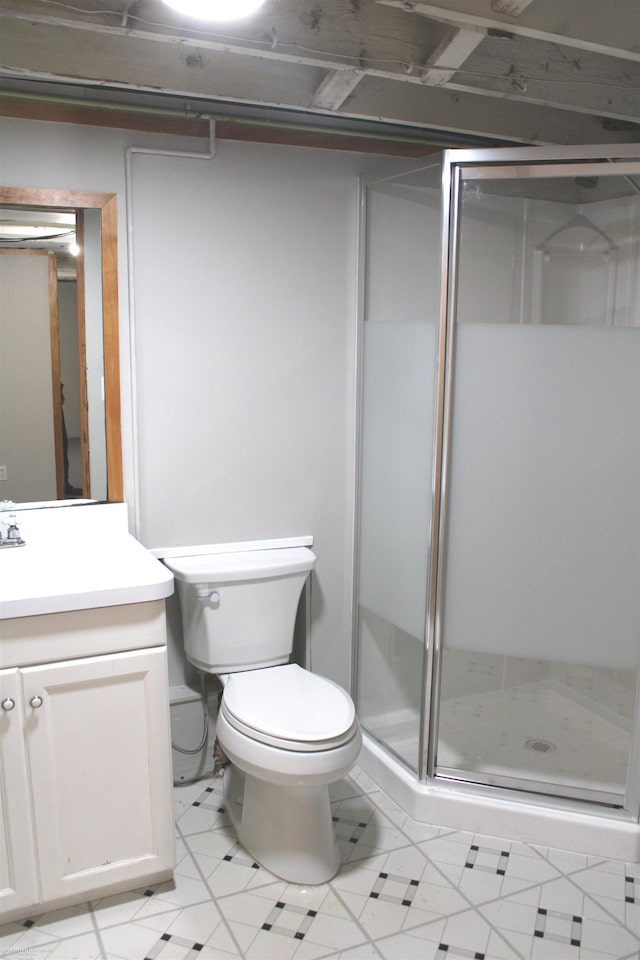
[98, 745]
[18, 883]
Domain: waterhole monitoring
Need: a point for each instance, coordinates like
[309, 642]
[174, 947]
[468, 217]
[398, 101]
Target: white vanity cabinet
[85, 762]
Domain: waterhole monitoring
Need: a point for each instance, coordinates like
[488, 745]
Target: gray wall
[240, 411]
[25, 378]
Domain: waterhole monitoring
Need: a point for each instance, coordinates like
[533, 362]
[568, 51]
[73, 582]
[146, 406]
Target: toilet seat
[289, 708]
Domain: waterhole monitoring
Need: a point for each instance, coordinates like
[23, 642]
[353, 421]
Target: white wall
[244, 286]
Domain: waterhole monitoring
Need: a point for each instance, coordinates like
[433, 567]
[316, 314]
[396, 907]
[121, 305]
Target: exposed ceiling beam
[360, 61]
[498, 118]
[497, 69]
[540, 73]
[335, 88]
[615, 34]
[449, 56]
[511, 8]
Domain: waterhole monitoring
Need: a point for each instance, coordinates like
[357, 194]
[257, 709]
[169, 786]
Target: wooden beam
[540, 73]
[335, 88]
[494, 117]
[449, 56]
[612, 29]
[511, 8]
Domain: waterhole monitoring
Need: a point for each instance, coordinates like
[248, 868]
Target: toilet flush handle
[206, 595]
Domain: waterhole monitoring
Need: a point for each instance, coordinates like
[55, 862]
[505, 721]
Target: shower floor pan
[542, 731]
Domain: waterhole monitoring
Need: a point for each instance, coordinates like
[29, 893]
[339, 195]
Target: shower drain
[541, 746]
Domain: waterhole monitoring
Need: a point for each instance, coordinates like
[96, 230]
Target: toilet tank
[239, 609]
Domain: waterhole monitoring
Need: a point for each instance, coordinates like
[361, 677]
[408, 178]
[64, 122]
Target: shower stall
[498, 561]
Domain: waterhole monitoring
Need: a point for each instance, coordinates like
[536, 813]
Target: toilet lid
[289, 707]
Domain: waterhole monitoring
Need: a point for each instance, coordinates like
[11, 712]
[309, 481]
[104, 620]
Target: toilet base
[287, 830]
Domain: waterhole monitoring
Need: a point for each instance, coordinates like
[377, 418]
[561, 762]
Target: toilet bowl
[288, 733]
[285, 753]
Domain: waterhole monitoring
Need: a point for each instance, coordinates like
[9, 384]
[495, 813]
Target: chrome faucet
[11, 538]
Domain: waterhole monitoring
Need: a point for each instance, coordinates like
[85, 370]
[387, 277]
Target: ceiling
[495, 71]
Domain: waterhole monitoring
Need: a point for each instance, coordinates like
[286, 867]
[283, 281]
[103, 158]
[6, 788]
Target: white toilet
[288, 733]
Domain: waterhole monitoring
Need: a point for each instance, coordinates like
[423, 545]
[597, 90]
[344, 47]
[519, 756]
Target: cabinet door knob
[36, 702]
[8, 703]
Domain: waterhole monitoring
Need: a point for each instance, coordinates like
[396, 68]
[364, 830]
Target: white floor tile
[197, 923]
[406, 947]
[9, 933]
[508, 945]
[468, 930]
[68, 922]
[84, 947]
[129, 941]
[609, 938]
[600, 883]
[431, 888]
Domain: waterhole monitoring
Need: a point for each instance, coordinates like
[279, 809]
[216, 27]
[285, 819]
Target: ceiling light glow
[216, 9]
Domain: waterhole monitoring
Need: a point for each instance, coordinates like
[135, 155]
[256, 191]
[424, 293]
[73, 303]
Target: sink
[72, 562]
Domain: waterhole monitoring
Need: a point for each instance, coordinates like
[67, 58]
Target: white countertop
[75, 558]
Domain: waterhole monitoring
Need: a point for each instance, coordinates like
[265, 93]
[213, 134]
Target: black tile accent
[148, 893]
[445, 947]
[197, 946]
[349, 831]
[629, 890]
[28, 924]
[405, 898]
[166, 936]
[477, 854]
[284, 914]
[553, 925]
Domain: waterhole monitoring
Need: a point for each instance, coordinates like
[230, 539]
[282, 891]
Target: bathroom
[243, 270]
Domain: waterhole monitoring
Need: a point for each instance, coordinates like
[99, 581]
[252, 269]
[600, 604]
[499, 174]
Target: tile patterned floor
[406, 890]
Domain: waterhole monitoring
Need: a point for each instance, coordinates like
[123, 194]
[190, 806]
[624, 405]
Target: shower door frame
[498, 163]
[404, 169]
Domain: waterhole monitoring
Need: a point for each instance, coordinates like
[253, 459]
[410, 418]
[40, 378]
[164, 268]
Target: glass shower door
[398, 342]
[538, 600]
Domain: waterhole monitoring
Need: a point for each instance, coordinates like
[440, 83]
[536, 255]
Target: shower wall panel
[543, 547]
